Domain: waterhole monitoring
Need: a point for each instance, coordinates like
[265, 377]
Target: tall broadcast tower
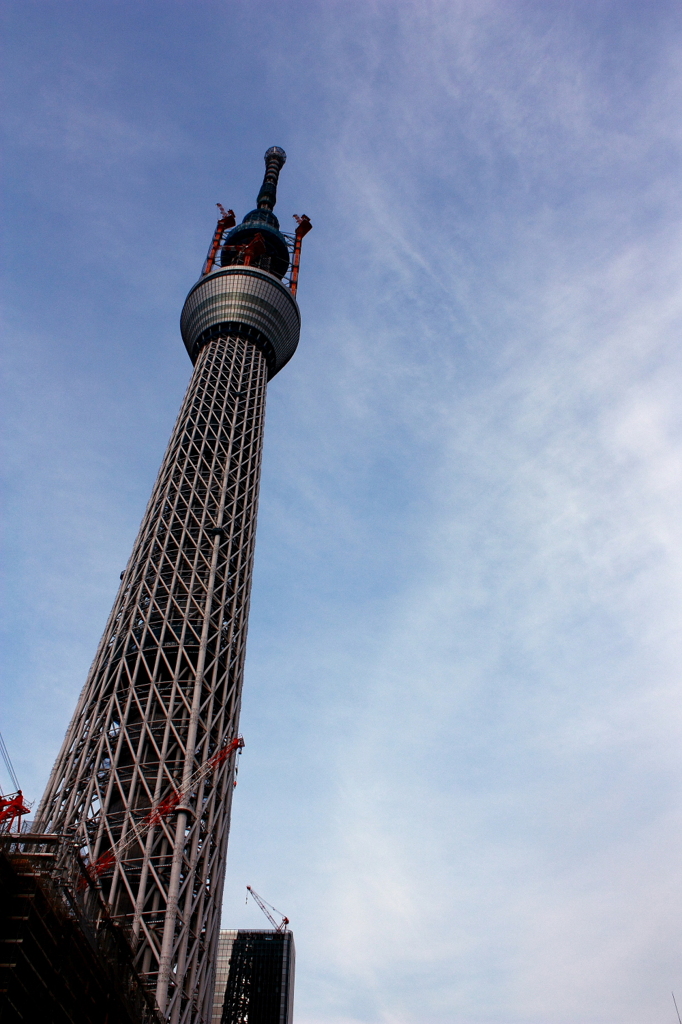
[144, 778]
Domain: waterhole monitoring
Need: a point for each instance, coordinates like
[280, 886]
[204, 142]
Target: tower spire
[275, 158]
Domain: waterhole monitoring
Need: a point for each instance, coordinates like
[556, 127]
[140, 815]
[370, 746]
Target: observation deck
[246, 301]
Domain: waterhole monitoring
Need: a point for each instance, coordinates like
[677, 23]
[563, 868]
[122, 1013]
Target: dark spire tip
[278, 152]
[275, 159]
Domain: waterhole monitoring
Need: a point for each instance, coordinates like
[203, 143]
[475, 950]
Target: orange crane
[138, 830]
[266, 908]
[12, 805]
[226, 220]
[304, 226]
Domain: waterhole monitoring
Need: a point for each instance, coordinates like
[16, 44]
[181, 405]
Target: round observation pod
[247, 302]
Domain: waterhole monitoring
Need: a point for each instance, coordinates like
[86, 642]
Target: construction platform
[63, 960]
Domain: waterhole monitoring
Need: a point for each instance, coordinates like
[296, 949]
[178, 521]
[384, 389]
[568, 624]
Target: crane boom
[12, 805]
[137, 831]
[8, 763]
[266, 908]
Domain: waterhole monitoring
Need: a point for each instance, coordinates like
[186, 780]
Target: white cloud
[462, 763]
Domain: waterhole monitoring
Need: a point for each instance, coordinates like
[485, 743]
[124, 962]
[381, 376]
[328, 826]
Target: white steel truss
[163, 695]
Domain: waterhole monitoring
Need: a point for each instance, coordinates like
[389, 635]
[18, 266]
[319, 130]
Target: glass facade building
[255, 980]
[225, 944]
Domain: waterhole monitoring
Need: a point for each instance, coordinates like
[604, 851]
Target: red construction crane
[282, 926]
[304, 226]
[137, 831]
[226, 220]
[12, 805]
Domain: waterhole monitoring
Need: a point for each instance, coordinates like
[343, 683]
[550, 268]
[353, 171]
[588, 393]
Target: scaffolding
[62, 957]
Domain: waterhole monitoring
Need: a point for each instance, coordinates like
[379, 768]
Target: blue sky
[462, 778]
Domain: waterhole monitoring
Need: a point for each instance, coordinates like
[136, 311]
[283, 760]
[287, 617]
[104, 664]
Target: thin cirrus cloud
[461, 778]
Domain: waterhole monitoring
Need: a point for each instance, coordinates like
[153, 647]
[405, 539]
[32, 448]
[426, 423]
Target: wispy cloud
[461, 778]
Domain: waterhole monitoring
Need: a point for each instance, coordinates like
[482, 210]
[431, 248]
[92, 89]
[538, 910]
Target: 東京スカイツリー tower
[144, 778]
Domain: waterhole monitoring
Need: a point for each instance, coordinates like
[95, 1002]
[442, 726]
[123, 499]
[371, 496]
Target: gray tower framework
[144, 778]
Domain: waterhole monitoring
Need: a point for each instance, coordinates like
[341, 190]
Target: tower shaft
[164, 691]
[143, 783]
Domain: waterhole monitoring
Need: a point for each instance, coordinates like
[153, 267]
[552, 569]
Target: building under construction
[63, 960]
[142, 786]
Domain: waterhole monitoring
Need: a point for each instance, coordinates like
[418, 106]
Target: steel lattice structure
[164, 691]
